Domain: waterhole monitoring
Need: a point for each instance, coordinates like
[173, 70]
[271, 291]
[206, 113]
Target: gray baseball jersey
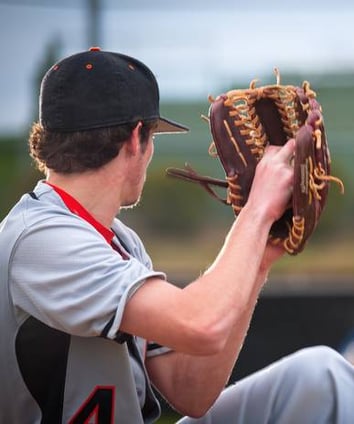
[63, 290]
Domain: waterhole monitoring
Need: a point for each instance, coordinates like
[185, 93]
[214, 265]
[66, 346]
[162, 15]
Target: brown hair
[81, 150]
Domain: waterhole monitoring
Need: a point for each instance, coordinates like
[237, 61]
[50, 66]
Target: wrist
[257, 216]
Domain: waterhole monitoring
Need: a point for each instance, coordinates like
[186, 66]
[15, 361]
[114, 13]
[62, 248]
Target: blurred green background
[196, 49]
[191, 48]
[182, 226]
[190, 225]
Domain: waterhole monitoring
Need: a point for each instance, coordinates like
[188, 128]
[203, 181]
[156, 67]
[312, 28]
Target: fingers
[279, 155]
[288, 150]
[273, 182]
[285, 152]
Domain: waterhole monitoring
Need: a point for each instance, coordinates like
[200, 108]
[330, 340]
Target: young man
[87, 323]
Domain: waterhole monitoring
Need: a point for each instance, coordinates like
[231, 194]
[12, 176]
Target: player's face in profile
[138, 174]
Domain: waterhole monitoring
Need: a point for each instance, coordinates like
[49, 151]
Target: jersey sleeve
[155, 349]
[65, 274]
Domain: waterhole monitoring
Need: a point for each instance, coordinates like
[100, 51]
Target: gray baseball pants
[312, 386]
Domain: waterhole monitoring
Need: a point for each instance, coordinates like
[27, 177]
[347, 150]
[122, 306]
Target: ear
[133, 143]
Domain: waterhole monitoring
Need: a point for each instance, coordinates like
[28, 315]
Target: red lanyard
[75, 207]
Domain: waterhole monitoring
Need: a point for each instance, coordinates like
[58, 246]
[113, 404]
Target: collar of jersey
[75, 207]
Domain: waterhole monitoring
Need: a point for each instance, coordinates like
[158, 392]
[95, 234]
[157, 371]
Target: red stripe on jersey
[75, 207]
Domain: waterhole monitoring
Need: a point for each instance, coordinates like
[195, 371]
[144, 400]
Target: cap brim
[166, 126]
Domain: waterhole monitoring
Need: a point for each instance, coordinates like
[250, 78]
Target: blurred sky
[194, 47]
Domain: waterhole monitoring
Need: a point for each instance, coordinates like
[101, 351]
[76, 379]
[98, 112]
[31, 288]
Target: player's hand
[272, 185]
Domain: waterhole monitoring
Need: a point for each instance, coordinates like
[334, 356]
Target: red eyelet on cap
[95, 49]
[89, 66]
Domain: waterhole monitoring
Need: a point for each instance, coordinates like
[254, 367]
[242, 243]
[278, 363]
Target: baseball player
[89, 327]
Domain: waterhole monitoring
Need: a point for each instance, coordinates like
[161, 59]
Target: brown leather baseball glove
[242, 123]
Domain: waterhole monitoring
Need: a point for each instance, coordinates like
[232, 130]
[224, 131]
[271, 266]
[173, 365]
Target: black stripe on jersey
[120, 337]
[122, 243]
[153, 346]
[33, 195]
[107, 327]
[150, 407]
[42, 354]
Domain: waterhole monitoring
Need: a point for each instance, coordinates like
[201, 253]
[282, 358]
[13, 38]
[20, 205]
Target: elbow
[196, 412]
[195, 409]
[214, 338]
[208, 339]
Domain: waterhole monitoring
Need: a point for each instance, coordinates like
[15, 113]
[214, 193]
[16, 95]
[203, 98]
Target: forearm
[203, 313]
[232, 283]
[198, 380]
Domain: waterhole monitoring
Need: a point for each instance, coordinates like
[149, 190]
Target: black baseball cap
[95, 89]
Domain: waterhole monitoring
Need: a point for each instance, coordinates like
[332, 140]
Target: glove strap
[189, 174]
